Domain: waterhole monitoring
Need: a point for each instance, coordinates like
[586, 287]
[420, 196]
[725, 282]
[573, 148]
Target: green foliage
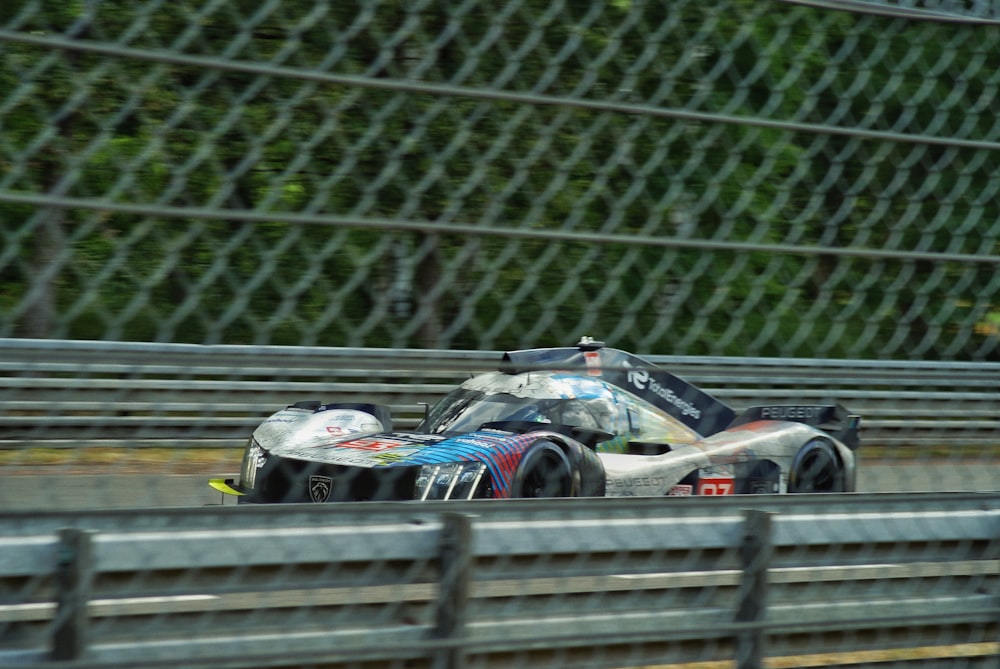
[651, 167]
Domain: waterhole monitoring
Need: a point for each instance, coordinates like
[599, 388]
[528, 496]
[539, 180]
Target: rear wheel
[545, 471]
[816, 468]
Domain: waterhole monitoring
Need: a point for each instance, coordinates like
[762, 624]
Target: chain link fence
[727, 178]
[210, 209]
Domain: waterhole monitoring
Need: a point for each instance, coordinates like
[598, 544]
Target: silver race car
[578, 421]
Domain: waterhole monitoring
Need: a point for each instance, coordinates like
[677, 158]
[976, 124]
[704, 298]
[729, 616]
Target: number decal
[716, 486]
[376, 445]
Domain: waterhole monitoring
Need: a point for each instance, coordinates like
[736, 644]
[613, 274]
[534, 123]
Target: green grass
[856, 657]
[124, 460]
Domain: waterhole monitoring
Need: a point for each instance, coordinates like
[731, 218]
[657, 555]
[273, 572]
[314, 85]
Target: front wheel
[816, 468]
[545, 471]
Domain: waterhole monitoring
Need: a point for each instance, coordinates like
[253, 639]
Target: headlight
[450, 480]
[253, 459]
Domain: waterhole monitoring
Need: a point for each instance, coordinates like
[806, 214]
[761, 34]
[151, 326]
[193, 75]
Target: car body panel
[716, 457]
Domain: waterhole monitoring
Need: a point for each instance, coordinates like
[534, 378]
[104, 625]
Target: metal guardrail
[595, 583]
[67, 392]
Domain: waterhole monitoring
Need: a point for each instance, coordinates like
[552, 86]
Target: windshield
[466, 410]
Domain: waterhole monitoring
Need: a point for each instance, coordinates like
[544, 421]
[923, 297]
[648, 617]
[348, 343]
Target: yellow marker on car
[225, 486]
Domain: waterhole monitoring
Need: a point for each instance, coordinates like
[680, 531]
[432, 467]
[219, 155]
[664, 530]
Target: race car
[579, 421]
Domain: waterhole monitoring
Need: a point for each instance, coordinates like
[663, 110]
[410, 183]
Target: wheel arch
[583, 471]
[819, 466]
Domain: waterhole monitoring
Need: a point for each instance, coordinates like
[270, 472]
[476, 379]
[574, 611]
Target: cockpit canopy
[542, 397]
[551, 397]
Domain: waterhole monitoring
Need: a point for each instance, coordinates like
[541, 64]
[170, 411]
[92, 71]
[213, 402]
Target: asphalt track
[34, 492]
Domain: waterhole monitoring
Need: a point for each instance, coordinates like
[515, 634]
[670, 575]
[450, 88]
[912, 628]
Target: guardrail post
[73, 580]
[453, 596]
[755, 555]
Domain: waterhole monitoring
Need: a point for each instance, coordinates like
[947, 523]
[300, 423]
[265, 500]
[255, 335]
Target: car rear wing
[833, 419]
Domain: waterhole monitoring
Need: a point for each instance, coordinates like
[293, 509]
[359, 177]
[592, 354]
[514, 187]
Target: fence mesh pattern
[210, 209]
[740, 178]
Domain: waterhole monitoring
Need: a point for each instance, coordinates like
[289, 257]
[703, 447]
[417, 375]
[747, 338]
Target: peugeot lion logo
[319, 488]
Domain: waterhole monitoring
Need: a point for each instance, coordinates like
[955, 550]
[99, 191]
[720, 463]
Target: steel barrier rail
[66, 392]
[434, 582]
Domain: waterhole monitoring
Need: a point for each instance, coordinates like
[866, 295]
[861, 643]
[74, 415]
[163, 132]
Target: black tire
[544, 471]
[816, 468]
